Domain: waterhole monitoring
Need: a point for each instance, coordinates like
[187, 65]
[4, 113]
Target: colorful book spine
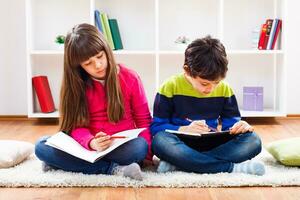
[43, 92]
[269, 27]
[107, 29]
[115, 32]
[278, 28]
[98, 21]
[103, 27]
[272, 34]
[262, 36]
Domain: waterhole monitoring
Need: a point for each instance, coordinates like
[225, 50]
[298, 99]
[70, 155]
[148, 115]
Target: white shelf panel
[46, 52]
[129, 52]
[118, 52]
[171, 52]
[265, 113]
[54, 114]
[252, 52]
[255, 52]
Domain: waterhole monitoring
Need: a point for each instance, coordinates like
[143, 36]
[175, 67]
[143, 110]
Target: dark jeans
[206, 155]
[132, 151]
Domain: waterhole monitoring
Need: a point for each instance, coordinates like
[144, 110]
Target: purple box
[253, 98]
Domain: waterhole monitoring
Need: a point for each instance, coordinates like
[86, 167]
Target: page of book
[67, 144]
[190, 134]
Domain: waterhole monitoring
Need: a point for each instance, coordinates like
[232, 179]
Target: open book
[67, 144]
[197, 135]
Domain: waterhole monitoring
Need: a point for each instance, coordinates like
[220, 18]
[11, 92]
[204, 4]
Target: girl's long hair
[83, 42]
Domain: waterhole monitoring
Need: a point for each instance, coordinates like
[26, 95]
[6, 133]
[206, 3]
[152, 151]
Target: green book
[103, 27]
[113, 24]
[107, 30]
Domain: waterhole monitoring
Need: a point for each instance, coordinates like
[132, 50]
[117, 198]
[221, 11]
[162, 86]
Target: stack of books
[269, 34]
[110, 30]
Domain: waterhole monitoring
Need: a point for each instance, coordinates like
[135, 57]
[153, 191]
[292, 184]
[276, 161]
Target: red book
[269, 23]
[262, 36]
[278, 28]
[43, 92]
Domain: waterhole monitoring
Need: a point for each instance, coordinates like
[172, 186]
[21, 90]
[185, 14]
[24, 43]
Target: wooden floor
[269, 129]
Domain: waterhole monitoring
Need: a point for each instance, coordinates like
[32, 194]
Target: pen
[114, 137]
[117, 137]
[211, 128]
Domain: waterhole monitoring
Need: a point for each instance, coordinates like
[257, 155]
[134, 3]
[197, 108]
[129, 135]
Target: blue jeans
[133, 151]
[220, 158]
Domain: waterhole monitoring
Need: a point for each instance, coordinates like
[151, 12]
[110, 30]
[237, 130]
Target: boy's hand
[100, 142]
[197, 126]
[241, 127]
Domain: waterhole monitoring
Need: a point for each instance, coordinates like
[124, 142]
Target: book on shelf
[98, 21]
[43, 92]
[103, 27]
[272, 33]
[277, 31]
[262, 36]
[269, 34]
[66, 143]
[113, 24]
[268, 31]
[107, 30]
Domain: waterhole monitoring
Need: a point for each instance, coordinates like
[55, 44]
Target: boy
[194, 102]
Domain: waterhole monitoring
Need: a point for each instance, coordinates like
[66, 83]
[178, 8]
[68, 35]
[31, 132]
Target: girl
[98, 99]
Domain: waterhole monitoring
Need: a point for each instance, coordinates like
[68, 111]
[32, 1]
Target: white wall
[13, 99]
[13, 57]
[292, 34]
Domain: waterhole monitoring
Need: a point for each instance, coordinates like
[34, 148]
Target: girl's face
[96, 65]
[202, 85]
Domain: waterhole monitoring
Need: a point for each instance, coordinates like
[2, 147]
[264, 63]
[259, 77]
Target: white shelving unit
[148, 29]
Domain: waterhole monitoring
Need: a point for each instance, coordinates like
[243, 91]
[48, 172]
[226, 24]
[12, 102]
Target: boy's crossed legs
[226, 155]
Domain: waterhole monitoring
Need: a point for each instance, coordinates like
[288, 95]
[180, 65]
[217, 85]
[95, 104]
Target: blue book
[98, 21]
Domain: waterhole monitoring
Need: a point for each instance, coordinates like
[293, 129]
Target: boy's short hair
[206, 58]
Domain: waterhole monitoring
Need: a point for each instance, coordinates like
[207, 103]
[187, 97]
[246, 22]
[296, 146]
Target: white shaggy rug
[30, 174]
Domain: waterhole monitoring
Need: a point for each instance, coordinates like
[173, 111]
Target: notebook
[197, 135]
[67, 144]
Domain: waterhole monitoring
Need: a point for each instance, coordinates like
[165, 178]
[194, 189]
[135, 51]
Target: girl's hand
[100, 142]
[241, 127]
[197, 126]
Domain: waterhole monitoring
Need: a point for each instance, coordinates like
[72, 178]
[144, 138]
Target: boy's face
[96, 65]
[203, 86]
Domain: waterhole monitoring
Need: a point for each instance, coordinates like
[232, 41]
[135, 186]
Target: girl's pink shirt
[137, 114]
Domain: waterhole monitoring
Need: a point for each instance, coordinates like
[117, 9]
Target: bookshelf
[149, 28]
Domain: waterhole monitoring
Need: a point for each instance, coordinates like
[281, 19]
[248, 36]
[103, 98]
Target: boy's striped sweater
[177, 100]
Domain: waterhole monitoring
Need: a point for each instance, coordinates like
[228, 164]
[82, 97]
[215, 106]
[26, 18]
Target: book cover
[197, 135]
[278, 28]
[113, 24]
[268, 31]
[103, 27]
[262, 36]
[43, 92]
[272, 34]
[98, 21]
[66, 143]
[107, 29]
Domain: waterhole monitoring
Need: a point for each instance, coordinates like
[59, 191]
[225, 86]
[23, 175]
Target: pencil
[117, 137]
[211, 128]
[113, 137]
